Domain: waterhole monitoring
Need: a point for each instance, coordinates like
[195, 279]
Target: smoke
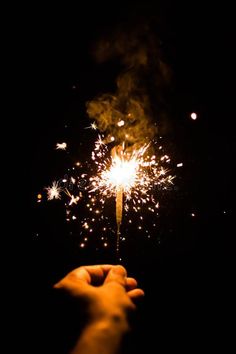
[127, 114]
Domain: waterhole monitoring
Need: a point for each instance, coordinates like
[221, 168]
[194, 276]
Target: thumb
[117, 274]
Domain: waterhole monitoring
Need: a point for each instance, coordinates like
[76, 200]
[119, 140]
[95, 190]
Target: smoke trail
[126, 115]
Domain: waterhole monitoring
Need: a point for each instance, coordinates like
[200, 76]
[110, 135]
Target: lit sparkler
[129, 175]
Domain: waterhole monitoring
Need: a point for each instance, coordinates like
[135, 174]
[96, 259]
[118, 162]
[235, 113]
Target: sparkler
[119, 212]
[127, 175]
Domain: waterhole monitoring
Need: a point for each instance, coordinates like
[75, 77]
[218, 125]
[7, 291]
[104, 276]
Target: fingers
[97, 274]
[135, 294]
[131, 283]
[93, 274]
[116, 274]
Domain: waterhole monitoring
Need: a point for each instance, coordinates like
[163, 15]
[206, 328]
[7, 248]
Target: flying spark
[193, 116]
[92, 126]
[61, 146]
[54, 192]
[121, 123]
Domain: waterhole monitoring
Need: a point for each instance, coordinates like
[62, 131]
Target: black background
[187, 275]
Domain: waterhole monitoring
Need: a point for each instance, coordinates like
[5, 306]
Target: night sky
[186, 268]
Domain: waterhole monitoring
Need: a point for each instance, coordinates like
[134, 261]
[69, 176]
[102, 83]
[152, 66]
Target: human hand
[107, 290]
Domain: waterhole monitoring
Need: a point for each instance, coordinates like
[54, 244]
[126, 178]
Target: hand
[106, 288]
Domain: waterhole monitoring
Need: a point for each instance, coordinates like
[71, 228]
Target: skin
[110, 295]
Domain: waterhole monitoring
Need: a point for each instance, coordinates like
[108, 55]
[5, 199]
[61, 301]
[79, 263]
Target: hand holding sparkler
[109, 294]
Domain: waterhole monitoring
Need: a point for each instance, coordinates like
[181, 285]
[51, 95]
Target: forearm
[102, 337]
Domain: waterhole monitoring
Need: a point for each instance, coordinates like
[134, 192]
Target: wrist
[113, 321]
[102, 335]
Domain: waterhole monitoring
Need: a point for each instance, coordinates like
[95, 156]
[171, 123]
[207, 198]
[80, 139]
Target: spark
[73, 180]
[180, 164]
[193, 116]
[73, 199]
[61, 146]
[85, 225]
[54, 192]
[121, 123]
[92, 126]
[39, 198]
[99, 143]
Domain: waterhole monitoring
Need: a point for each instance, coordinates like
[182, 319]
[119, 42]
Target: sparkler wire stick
[119, 210]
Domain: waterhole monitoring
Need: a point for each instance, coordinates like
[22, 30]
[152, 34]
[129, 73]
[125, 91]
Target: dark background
[186, 269]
